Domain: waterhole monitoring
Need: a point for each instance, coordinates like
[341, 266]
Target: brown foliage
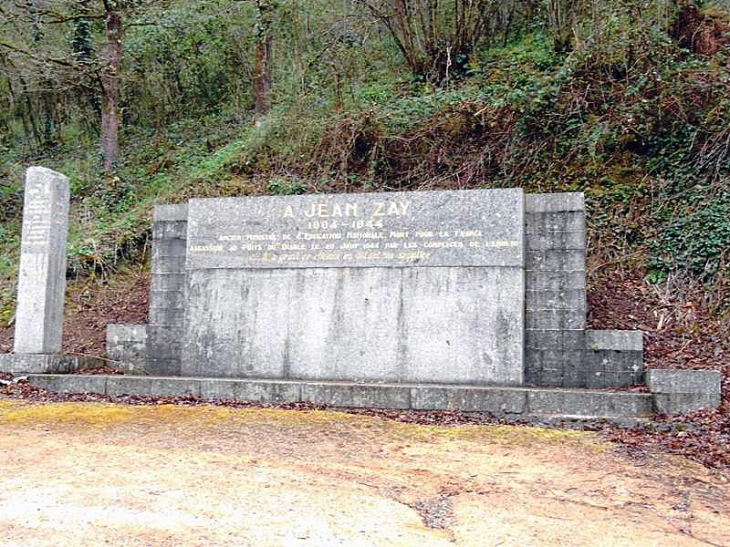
[436, 38]
[698, 32]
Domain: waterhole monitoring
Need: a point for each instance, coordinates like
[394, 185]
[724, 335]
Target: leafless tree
[436, 37]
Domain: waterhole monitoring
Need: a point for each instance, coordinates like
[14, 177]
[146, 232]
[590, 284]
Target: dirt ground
[95, 474]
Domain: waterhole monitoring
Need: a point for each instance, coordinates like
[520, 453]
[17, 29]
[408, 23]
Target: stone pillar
[167, 294]
[42, 277]
[555, 318]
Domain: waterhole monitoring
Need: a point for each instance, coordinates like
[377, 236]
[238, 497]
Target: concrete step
[500, 401]
[23, 363]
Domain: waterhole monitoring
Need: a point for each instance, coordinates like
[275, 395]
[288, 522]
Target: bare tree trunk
[262, 75]
[560, 18]
[112, 61]
[262, 69]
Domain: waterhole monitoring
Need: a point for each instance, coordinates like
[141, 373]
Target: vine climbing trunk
[262, 90]
[262, 68]
[111, 66]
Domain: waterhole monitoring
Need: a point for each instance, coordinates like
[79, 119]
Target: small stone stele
[42, 276]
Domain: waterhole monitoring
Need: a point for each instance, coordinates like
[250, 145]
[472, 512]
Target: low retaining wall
[26, 363]
[672, 391]
[500, 401]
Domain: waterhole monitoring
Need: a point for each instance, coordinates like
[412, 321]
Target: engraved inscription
[36, 217]
[414, 229]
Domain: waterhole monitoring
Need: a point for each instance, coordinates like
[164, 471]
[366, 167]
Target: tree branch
[16, 49]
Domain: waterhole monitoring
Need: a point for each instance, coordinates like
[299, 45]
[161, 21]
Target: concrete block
[161, 334]
[551, 377]
[555, 339]
[168, 248]
[555, 203]
[684, 381]
[167, 316]
[367, 324]
[554, 281]
[556, 241]
[163, 367]
[588, 404]
[171, 213]
[545, 223]
[169, 351]
[169, 230]
[560, 260]
[602, 379]
[528, 402]
[173, 299]
[72, 383]
[152, 386]
[357, 396]
[620, 340]
[559, 358]
[168, 282]
[596, 379]
[127, 345]
[244, 390]
[380, 315]
[555, 320]
[25, 363]
[497, 401]
[556, 300]
[574, 377]
[168, 265]
[681, 403]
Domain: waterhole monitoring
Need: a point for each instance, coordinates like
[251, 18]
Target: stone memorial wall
[453, 300]
[451, 287]
[408, 287]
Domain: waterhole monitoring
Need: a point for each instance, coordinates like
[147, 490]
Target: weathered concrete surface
[397, 287]
[555, 298]
[614, 358]
[452, 325]
[681, 391]
[167, 290]
[42, 276]
[683, 381]
[127, 345]
[90, 474]
[500, 401]
[616, 340]
[333, 288]
[394, 229]
[20, 363]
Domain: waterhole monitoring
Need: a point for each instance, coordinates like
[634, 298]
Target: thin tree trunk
[112, 62]
[262, 74]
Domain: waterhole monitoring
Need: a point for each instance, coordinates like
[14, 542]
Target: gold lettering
[379, 209]
[288, 212]
[351, 209]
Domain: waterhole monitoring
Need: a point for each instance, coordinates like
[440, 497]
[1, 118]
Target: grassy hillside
[633, 114]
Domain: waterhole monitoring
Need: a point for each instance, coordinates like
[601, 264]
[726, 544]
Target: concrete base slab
[500, 401]
[31, 363]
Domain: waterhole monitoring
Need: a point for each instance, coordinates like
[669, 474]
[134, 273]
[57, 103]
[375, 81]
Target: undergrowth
[635, 121]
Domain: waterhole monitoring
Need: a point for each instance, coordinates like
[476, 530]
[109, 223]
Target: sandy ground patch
[103, 474]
